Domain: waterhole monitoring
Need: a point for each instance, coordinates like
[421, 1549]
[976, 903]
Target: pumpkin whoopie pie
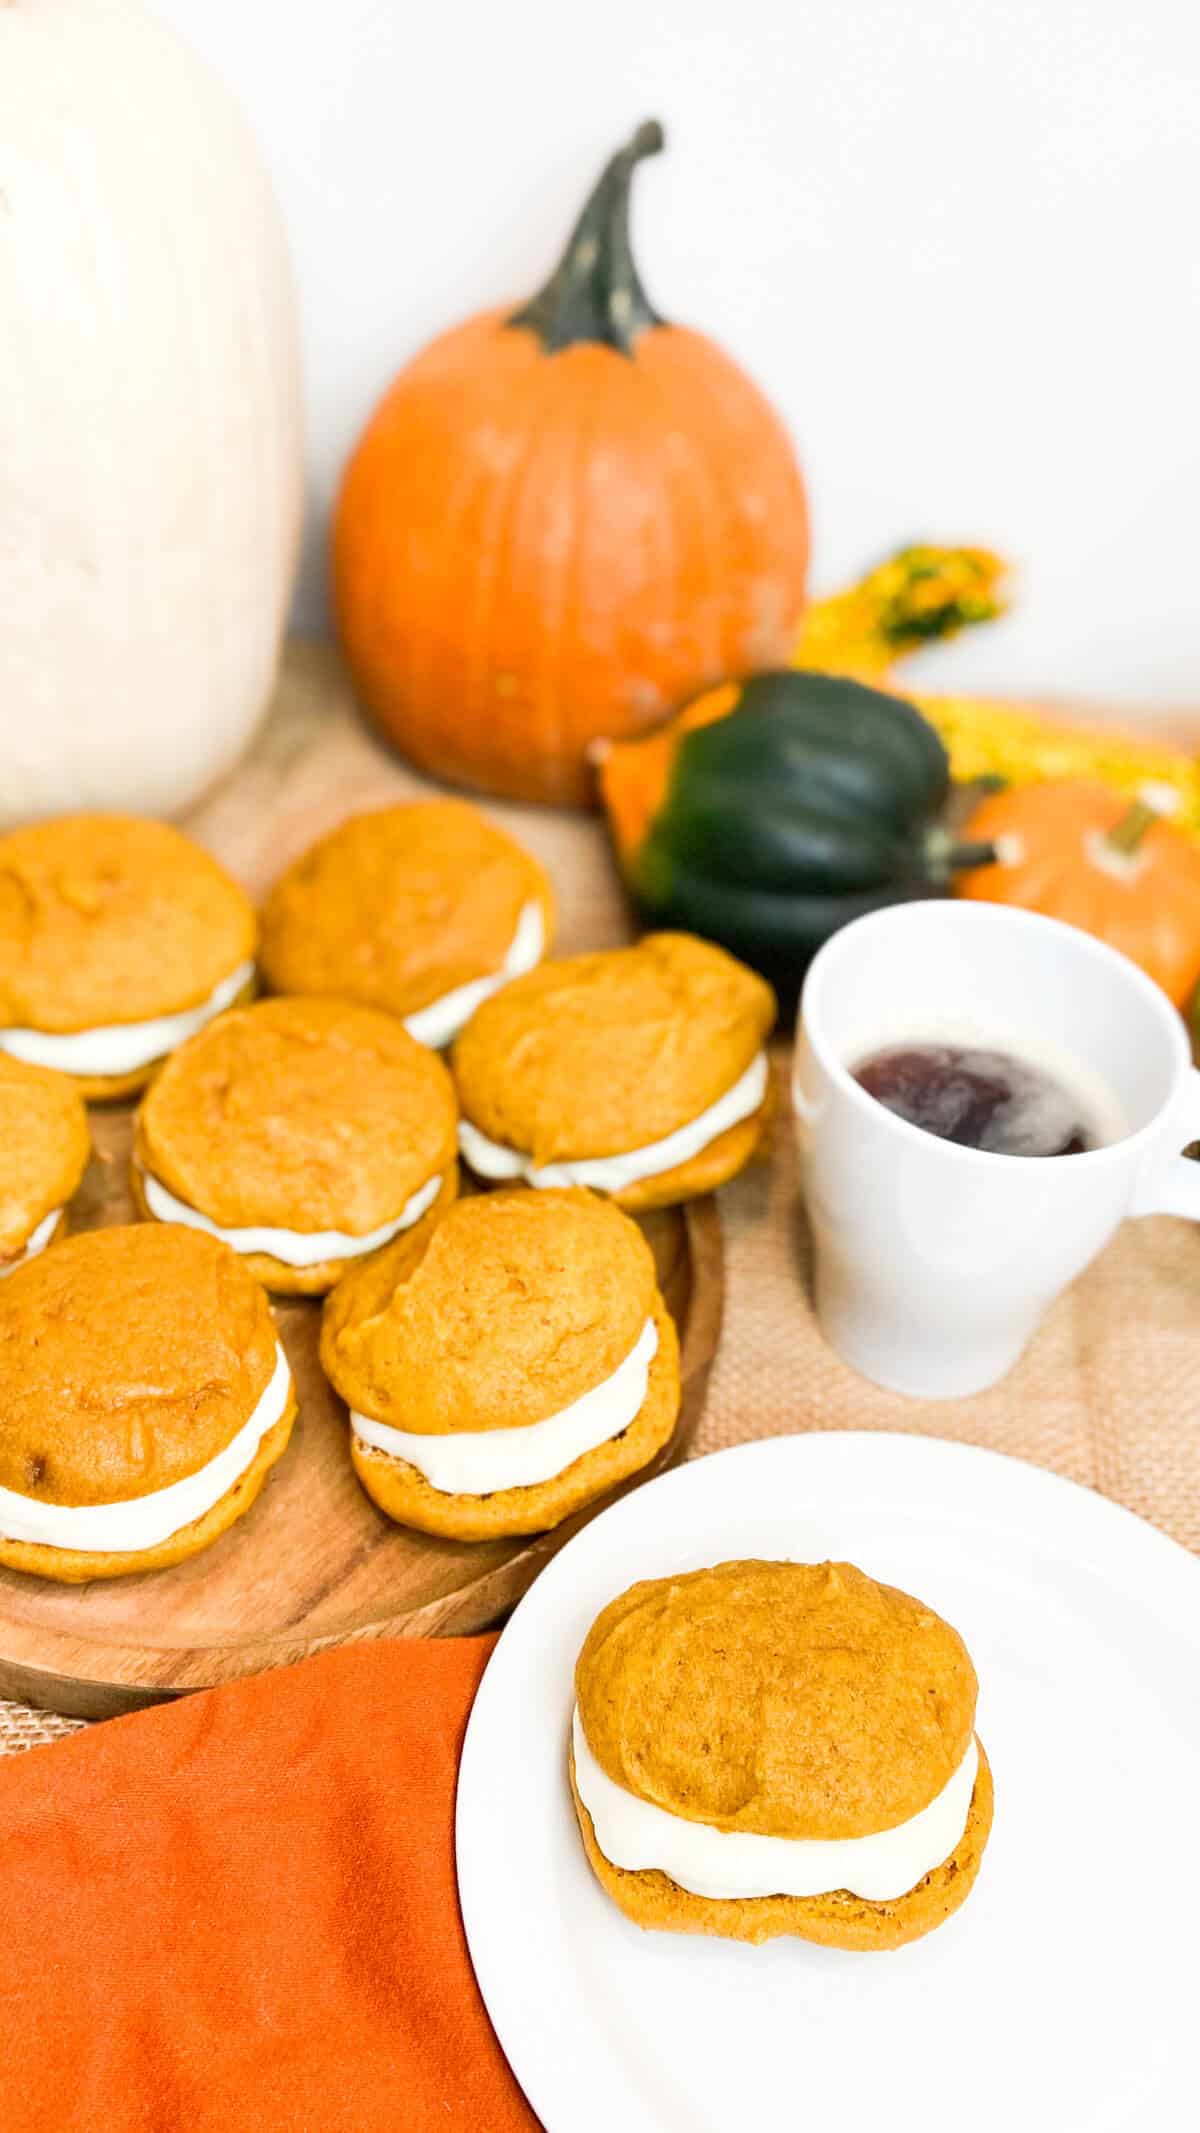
[305, 1133]
[767, 1748]
[118, 939]
[513, 1368]
[44, 1148]
[422, 910]
[144, 1397]
[638, 1072]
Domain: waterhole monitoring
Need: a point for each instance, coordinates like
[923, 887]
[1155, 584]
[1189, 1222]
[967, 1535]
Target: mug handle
[1172, 1186]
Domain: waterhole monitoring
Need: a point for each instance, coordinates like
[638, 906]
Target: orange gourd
[1082, 852]
[562, 521]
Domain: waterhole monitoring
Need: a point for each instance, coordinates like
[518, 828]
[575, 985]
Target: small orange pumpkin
[562, 521]
[1082, 852]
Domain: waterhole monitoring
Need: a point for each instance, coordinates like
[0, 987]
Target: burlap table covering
[1106, 1395]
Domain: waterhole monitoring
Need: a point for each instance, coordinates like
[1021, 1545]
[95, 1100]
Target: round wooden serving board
[313, 1563]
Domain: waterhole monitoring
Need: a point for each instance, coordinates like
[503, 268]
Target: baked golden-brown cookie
[305, 1133]
[766, 1748]
[144, 1396]
[118, 939]
[423, 910]
[513, 1368]
[638, 1072]
[44, 1148]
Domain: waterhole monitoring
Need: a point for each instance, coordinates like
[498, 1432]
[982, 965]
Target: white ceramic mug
[935, 1262]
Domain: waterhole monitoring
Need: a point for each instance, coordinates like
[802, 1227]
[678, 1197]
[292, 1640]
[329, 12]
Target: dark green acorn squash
[769, 812]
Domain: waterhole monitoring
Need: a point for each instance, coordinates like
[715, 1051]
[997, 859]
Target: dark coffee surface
[980, 1099]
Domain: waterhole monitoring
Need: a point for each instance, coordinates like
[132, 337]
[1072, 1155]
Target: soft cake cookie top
[301, 1115]
[44, 1148]
[522, 1302]
[787, 1699]
[599, 1054]
[128, 1359]
[107, 919]
[398, 907]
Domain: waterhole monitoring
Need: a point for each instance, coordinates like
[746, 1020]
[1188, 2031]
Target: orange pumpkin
[1082, 852]
[562, 521]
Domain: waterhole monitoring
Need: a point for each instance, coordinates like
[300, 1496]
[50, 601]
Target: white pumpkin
[151, 476]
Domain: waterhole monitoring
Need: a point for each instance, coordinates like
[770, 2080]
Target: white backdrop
[954, 239]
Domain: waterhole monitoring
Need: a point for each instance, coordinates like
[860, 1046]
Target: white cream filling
[293, 1246]
[478, 1462]
[122, 1047]
[36, 1242]
[147, 1521]
[614, 1173]
[440, 1022]
[727, 1864]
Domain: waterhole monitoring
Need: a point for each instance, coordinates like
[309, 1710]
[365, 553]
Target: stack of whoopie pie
[779, 1748]
[304, 1133]
[638, 1072]
[509, 1359]
[424, 911]
[504, 1360]
[144, 1396]
[118, 939]
[514, 1367]
[44, 1149]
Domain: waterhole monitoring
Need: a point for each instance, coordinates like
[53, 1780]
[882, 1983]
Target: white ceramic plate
[1060, 1999]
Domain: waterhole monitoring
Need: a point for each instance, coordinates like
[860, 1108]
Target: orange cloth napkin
[239, 1912]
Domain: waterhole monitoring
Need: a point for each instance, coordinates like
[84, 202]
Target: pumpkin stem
[944, 855]
[1126, 835]
[971, 855]
[594, 293]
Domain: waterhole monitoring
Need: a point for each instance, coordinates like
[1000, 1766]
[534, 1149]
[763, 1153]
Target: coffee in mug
[981, 1096]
